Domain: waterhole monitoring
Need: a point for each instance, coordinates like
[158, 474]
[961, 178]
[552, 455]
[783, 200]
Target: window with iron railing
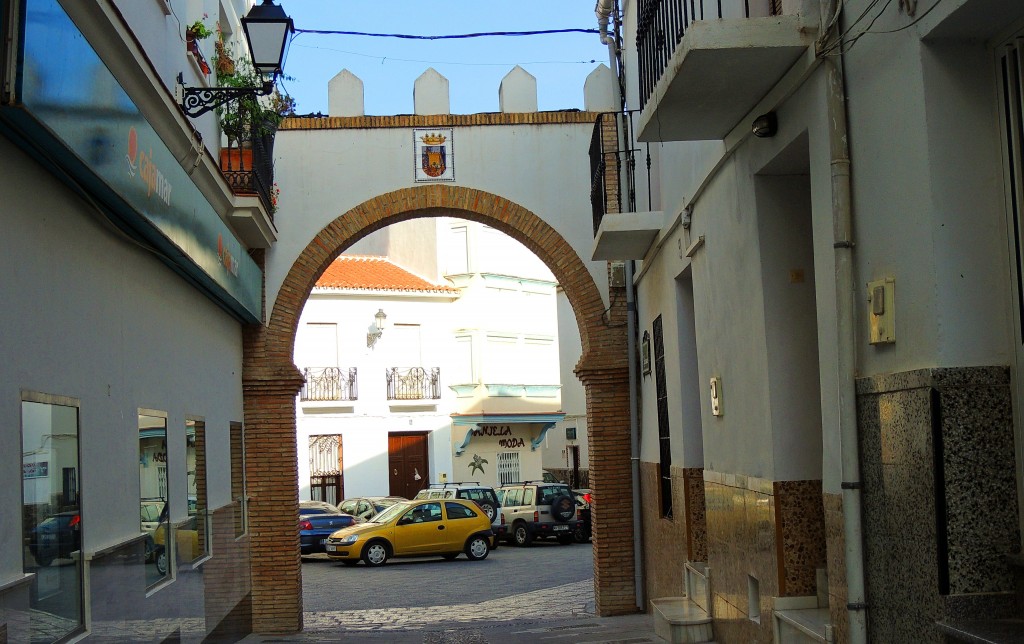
[414, 383]
[329, 383]
[247, 162]
[662, 24]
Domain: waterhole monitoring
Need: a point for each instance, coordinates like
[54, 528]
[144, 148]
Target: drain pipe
[846, 289]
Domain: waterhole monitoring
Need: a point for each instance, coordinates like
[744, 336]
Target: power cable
[451, 62]
[483, 34]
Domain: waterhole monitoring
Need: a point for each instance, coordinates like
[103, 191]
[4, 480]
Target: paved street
[545, 592]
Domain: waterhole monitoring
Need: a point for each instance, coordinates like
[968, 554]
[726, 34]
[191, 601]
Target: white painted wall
[324, 173]
[90, 316]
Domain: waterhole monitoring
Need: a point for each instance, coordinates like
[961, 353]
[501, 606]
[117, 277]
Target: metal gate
[326, 469]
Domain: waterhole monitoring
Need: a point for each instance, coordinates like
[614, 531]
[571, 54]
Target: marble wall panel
[664, 538]
[801, 533]
[696, 514]
[939, 502]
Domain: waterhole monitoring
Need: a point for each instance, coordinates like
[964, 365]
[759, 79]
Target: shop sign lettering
[493, 430]
[511, 443]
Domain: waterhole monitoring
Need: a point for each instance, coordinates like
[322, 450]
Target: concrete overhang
[249, 220]
[718, 73]
[626, 235]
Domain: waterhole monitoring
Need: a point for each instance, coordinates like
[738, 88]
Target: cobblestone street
[544, 592]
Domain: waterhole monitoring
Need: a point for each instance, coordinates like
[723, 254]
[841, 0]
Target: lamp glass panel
[268, 42]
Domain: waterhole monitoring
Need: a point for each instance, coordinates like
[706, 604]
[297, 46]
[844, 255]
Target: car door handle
[440, 527]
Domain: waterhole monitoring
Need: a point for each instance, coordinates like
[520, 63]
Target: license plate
[558, 528]
[331, 548]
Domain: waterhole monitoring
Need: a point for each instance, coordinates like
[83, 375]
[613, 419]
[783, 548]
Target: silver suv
[535, 510]
[484, 496]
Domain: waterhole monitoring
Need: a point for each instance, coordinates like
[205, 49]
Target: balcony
[247, 162]
[705, 64]
[620, 232]
[329, 384]
[414, 383]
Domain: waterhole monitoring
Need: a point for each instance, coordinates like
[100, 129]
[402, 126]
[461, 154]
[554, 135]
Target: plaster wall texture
[930, 209]
[163, 37]
[740, 290]
[92, 317]
[322, 177]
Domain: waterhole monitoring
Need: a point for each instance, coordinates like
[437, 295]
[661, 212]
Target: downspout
[846, 289]
[605, 11]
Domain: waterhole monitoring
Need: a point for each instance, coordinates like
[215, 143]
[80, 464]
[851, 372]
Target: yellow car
[420, 528]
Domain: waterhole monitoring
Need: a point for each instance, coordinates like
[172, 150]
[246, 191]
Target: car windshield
[389, 513]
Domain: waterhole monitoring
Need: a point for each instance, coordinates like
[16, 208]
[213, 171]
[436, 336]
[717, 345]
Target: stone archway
[271, 382]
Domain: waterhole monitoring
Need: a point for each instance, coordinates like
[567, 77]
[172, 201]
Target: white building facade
[479, 326]
[826, 268]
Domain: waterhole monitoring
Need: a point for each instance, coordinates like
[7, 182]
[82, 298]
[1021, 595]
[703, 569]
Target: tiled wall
[940, 503]
[773, 532]
[835, 537]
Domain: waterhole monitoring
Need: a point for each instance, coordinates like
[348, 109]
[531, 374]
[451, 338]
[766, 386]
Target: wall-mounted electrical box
[882, 310]
[716, 396]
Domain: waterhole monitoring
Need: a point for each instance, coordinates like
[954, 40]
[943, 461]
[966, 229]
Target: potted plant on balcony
[193, 34]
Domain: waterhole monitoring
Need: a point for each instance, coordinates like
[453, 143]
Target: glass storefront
[51, 515]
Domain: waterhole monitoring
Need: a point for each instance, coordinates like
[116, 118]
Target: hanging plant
[198, 30]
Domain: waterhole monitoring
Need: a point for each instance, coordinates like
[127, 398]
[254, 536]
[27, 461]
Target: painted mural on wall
[434, 155]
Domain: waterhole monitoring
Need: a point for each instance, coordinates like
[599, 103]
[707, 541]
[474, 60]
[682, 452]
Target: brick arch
[271, 382]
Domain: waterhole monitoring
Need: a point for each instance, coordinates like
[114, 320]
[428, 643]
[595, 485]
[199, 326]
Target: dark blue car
[317, 522]
[56, 537]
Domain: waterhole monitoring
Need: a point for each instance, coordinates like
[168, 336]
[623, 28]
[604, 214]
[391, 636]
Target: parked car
[317, 520]
[367, 506]
[56, 537]
[536, 510]
[418, 528]
[484, 495]
[583, 502]
[153, 519]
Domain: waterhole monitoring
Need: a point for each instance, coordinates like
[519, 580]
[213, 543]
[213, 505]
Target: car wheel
[376, 553]
[451, 556]
[563, 508]
[581, 534]
[161, 561]
[477, 548]
[488, 510]
[43, 560]
[350, 562]
[521, 535]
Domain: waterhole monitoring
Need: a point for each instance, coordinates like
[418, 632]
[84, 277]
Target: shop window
[192, 537]
[51, 515]
[154, 510]
[238, 477]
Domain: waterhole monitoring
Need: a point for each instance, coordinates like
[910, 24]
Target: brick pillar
[271, 472]
[611, 482]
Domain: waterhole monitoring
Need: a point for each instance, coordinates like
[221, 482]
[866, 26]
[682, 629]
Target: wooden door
[408, 468]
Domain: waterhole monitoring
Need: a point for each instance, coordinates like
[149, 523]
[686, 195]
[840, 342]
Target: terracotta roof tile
[365, 272]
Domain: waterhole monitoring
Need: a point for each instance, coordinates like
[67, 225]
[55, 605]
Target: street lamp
[268, 34]
[376, 329]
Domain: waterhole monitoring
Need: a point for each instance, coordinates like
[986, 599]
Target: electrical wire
[483, 34]
[450, 62]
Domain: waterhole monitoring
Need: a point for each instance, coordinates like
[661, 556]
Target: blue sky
[474, 67]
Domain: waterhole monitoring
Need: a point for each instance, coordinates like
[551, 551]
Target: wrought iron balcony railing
[613, 172]
[663, 23]
[414, 383]
[329, 383]
[247, 162]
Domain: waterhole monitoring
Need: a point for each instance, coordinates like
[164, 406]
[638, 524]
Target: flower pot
[236, 159]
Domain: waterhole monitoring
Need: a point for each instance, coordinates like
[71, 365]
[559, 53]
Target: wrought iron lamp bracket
[197, 101]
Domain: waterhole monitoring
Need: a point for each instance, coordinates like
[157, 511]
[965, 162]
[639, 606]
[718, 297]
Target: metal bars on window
[508, 468]
[664, 436]
[326, 468]
[330, 383]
